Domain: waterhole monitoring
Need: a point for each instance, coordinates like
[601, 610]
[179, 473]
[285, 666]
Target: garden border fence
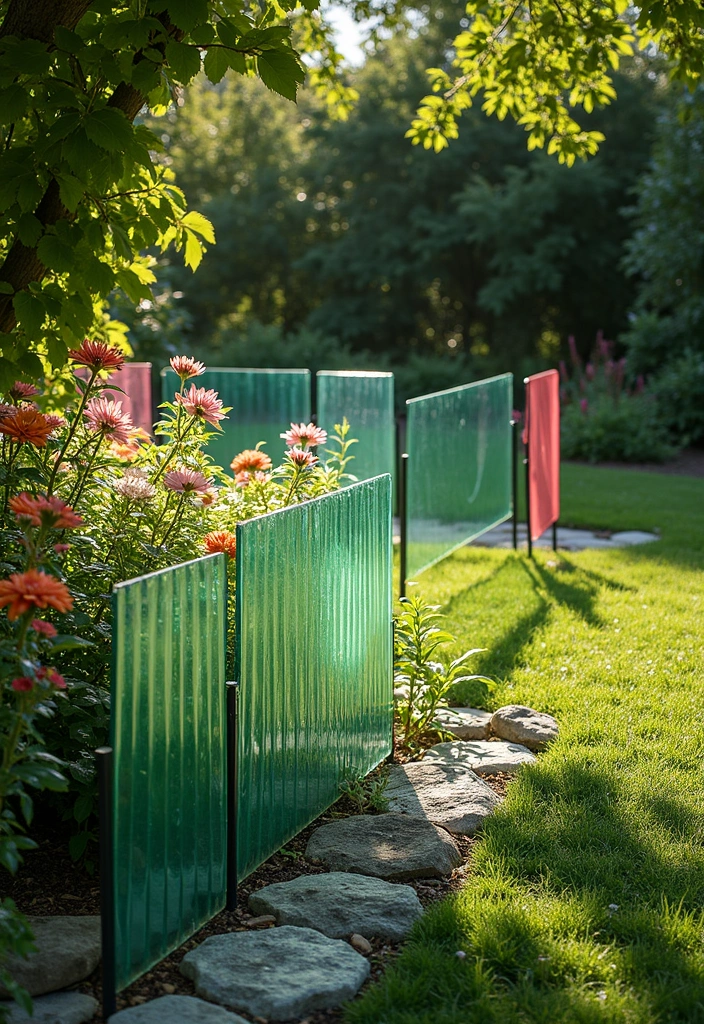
[541, 438]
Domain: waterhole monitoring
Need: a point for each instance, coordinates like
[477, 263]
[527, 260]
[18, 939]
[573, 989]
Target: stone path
[391, 846]
[464, 723]
[176, 1010]
[446, 793]
[485, 756]
[68, 950]
[278, 974]
[340, 905]
[58, 1008]
[520, 724]
[568, 538]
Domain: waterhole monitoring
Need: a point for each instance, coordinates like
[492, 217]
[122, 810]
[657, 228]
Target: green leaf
[183, 60]
[6, 288]
[194, 251]
[29, 229]
[77, 845]
[109, 129]
[55, 254]
[280, 71]
[200, 224]
[71, 191]
[30, 192]
[29, 312]
[67, 642]
[13, 103]
[186, 14]
[99, 277]
[132, 286]
[67, 40]
[216, 63]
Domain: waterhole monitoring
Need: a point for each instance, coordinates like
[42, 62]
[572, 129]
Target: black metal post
[104, 762]
[233, 689]
[554, 536]
[402, 506]
[514, 480]
[526, 463]
[393, 684]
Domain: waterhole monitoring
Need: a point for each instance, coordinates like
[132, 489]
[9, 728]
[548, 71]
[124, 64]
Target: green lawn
[586, 898]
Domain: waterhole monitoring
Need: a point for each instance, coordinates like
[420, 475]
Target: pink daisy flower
[45, 628]
[187, 366]
[302, 435]
[107, 418]
[187, 481]
[201, 403]
[21, 390]
[300, 457]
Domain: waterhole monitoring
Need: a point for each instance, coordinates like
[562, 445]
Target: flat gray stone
[339, 904]
[483, 756]
[58, 1008]
[391, 846]
[277, 974]
[624, 538]
[447, 794]
[520, 724]
[176, 1010]
[464, 723]
[68, 951]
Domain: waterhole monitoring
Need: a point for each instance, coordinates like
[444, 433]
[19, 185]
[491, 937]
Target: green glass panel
[314, 659]
[367, 400]
[168, 736]
[264, 404]
[459, 467]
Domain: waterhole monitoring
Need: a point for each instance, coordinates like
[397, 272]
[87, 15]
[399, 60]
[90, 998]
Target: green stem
[71, 431]
[176, 519]
[81, 482]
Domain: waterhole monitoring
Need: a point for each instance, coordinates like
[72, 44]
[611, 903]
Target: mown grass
[585, 902]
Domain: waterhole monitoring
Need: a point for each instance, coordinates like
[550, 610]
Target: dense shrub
[602, 418]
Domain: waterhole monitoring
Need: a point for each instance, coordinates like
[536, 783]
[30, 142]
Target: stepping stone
[339, 904]
[392, 846]
[464, 723]
[58, 1008]
[480, 755]
[277, 974]
[68, 951]
[176, 1010]
[627, 537]
[520, 724]
[447, 794]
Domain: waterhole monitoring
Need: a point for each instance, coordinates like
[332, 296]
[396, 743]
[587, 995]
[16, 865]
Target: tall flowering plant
[607, 415]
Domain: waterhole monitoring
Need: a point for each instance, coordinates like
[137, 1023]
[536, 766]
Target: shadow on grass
[573, 914]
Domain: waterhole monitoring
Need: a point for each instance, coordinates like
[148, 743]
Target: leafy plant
[15, 938]
[366, 791]
[602, 417]
[424, 681]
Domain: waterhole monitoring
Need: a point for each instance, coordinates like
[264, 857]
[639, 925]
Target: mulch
[50, 884]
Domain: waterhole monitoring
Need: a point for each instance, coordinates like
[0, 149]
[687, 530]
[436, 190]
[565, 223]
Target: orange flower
[41, 511]
[250, 460]
[220, 540]
[27, 425]
[33, 589]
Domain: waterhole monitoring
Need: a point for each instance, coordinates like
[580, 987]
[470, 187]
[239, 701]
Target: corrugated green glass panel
[264, 404]
[314, 659]
[459, 467]
[367, 400]
[168, 736]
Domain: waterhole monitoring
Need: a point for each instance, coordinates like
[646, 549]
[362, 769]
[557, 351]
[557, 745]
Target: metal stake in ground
[514, 480]
[403, 516]
[104, 762]
[233, 690]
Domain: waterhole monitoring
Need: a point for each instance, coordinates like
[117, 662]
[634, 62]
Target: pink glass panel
[135, 379]
[543, 436]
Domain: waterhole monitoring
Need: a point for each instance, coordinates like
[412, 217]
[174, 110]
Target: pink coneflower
[45, 628]
[61, 548]
[583, 405]
[20, 390]
[187, 481]
[23, 684]
[187, 366]
[304, 435]
[41, 511]
[55, 422]
[300, 457]
[97, 355]
[589, 370]
[201, 403]
[250, 460]
[107, 418]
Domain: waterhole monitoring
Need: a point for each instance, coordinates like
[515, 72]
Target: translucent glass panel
[459, 467]
[542, 435]
[168, 736]
[314, 659]
[367, 400]
[264, 404]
